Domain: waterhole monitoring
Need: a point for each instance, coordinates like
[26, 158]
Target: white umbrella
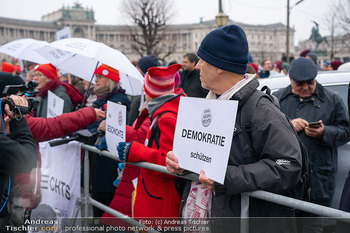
[344, 67]
[24, 49]
[81, 57]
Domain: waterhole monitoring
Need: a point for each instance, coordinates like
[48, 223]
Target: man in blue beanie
[142, 65]
[305, 101]
[270, 159]
[147, 62]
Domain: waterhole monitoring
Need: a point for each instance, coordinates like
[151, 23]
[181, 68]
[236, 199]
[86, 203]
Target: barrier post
[244, 213]
[86, 187]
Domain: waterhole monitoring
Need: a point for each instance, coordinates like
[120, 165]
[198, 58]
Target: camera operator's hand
[100, 114]
[19, 101]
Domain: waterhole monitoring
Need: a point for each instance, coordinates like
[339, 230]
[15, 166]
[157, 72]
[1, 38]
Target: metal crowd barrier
[267, 196]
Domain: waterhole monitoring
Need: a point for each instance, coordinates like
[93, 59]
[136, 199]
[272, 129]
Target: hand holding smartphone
[315, 124]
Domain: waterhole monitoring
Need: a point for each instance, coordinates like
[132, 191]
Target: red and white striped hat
[160, 80]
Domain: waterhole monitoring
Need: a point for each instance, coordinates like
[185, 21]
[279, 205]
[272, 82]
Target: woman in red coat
[156, 194]
[123, 195]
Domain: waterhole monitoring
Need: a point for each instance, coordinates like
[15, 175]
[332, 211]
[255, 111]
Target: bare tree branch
[151, 18]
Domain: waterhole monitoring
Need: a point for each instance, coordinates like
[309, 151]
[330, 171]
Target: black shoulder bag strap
[155, 136]
[155, 132]
[247, 112]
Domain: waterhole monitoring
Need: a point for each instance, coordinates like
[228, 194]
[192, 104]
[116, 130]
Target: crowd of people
[279, 68]
[270, 159]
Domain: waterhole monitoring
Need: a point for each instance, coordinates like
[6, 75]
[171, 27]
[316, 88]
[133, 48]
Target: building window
[42, 36]
[184, 46]
[122, 49]
[78, 32]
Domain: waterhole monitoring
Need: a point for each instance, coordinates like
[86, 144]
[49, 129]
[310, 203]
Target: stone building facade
[265, 41]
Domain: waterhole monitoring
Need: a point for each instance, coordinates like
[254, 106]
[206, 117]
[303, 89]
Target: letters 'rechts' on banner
[60, 180]
[115, 126]
[203, 135]
[54, 105]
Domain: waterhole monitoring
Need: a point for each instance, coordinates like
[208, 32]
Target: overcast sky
[190, 11]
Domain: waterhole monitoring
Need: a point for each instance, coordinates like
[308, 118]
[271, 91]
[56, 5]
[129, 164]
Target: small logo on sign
[120, 118]
[206, 117]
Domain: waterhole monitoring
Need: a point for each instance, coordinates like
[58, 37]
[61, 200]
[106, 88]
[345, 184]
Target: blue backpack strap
[5, 193]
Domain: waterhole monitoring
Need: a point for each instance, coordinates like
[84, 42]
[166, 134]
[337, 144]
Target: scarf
[50, 86]
[100, 92]
[230, 92]
[156, 103]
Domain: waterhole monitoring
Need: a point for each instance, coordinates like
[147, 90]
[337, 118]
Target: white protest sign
[115, 125]
[203, 135]
[63, 34]
[60, 179]
[54, 105]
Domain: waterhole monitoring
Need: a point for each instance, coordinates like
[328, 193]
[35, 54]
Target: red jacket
[156, 194]
[44, 129]
[122, 197]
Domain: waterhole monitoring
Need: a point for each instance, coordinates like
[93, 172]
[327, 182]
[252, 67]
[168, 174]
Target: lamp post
[287, 32]
[221, 18]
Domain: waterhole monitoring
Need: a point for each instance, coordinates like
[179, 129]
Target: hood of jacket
[168, 103]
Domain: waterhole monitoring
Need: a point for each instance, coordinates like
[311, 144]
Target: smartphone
[315, 124]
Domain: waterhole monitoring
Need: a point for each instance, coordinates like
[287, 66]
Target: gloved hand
[123, 150]
[102, 145]
[121, 166]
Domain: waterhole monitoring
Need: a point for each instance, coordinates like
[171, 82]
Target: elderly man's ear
[220, 71]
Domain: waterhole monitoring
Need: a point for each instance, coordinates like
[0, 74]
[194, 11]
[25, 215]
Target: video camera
[23, 89]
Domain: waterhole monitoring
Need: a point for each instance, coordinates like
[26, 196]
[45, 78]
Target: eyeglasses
[311, 82]
[38, 74]
[99, 76]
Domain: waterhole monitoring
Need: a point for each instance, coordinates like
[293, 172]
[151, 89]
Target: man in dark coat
[306, 101]
[273, 163]
[18, 153]
[190, 82]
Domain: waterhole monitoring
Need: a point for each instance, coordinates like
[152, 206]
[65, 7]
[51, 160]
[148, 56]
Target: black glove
[123, 151]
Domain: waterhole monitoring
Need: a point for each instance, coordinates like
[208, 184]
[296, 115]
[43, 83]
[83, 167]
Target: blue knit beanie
[147, 62]
[226, 48]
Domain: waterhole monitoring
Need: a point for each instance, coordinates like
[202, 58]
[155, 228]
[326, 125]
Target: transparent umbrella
[81, 57]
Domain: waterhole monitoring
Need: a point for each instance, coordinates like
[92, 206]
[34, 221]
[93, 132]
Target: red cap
[161, 80]
[335, 64]
[48, 70]
[108, 72]
[7, 67]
